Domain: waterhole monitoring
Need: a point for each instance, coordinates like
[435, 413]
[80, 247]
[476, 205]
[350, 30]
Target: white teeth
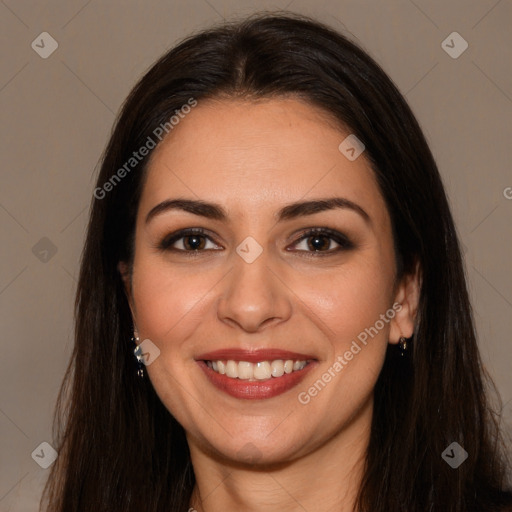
[277, 368]
[245, 370]
[232, 369]
[261, 370]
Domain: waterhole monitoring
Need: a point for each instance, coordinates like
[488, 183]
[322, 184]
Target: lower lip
[255, 390]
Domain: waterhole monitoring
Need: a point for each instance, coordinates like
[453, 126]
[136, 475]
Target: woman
[270, 243]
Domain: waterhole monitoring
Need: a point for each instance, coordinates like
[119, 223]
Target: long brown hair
[120, 448]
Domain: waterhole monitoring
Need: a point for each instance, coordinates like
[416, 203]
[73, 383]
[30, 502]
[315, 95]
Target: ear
[407, 295]
[126, 275]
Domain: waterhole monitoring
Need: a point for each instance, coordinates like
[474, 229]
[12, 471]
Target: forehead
[252, 156]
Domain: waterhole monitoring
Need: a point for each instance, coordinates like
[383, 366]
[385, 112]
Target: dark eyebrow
[290, 211]
[301, 208]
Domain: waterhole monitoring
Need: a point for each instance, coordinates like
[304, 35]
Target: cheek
[349, 300]
[168, 301]
[353, 307]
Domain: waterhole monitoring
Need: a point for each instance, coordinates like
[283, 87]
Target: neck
[327, 478]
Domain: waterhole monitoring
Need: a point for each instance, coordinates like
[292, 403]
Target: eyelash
[343, 242]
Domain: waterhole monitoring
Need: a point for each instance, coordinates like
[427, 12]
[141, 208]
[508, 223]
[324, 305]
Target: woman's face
[255, 290]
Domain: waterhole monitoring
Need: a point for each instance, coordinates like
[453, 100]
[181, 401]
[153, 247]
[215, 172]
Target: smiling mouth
[255, 373]
[259, 371]
[255, 381]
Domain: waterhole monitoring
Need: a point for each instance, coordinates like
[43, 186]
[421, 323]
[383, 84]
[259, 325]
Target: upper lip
[253, 356]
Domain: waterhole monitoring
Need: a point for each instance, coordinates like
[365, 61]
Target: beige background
[57, 114]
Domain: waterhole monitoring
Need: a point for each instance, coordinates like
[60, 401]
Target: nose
[253, 296]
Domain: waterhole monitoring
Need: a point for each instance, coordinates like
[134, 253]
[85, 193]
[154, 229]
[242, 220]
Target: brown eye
[322, 240]
[194, 242]
[187, 240]
[318, 242]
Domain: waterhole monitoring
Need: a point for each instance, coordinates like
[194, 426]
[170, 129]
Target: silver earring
[138, 356]
[403, 344]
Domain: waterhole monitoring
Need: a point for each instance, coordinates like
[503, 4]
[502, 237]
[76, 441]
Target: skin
[253, 158]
